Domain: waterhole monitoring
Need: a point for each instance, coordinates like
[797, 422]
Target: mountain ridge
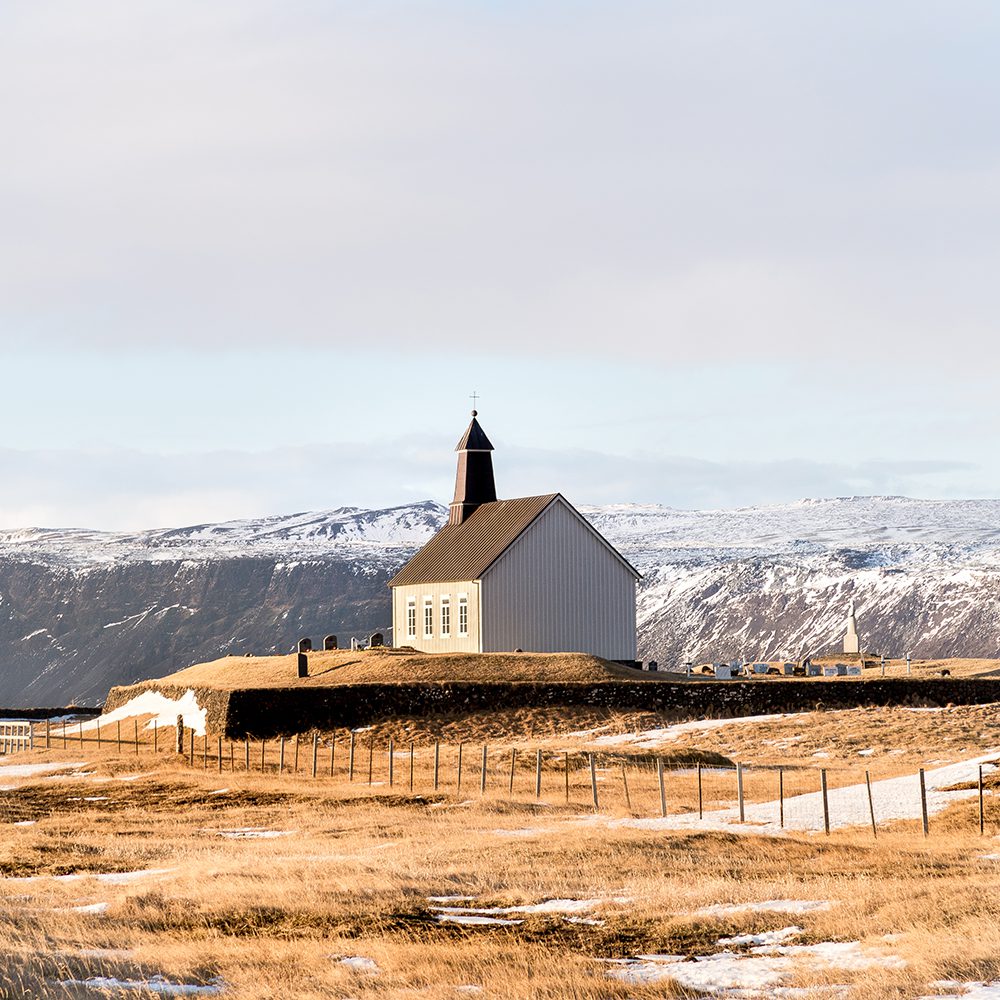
[82, 609]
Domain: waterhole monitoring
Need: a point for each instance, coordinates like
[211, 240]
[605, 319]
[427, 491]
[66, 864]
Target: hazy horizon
[256, 257]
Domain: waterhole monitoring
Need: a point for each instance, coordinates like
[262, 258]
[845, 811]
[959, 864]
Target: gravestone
[305, 645]
[376, 640]
[653, 665]
[830, 670]
[841, 669]
[814, 670]
[329, 642]
[760, 668]
[724, 670]
[788, 669]
[303, 664]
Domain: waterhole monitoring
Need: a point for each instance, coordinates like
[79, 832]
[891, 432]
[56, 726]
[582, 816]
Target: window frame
[463, 615]
[428, 617]
[411, 618]
[445, 616]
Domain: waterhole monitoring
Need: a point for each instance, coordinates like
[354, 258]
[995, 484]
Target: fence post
[826, 801]
[118, 732]
[246, 753]
[538, 774]
[781, 798]
[982, 816]
[135, 734]
[923, 801]
[46, 734]
[64, 736]
[191, 731]
[663, 791]
[296, 767]
[350, 763]
[155, 737]
[81, 734]
[628, 799]
[482, 774]
[411, 765]
[739, 790]
[204, 751]
[391, 763]
[220, 754]
[98, 733]
[566, 772]
[701, 810]
[281, 755]
[513, 757]
[437, 762]
[371, 758]
[333, 751]
[593, 781]
[458, 787]
[263, 758]
[871, 804]
[232, 762]
[315, 751]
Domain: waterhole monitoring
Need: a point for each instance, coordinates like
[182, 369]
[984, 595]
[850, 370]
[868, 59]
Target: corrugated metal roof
[465, 551]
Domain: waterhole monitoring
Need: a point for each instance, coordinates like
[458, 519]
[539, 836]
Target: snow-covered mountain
[80, 610]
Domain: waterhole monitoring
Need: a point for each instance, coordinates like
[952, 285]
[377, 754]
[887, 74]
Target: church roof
[465, 551]
[474, 438]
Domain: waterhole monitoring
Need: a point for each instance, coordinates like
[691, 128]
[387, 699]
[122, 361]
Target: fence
[647, 786]
[15, 736]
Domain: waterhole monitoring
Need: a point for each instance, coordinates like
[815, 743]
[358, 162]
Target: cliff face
[81, 611]
[68, 635]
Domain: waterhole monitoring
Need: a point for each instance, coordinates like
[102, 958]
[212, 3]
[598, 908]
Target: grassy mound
[330, 669]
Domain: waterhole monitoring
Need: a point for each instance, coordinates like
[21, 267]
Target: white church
[528, 574]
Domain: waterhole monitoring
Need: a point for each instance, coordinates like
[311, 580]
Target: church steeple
[474, 483]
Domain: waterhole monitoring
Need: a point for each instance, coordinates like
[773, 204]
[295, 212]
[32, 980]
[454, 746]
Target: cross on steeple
[475, 398]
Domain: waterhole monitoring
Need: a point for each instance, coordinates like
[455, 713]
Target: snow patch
[157, 984]
[163, 709]
[765, 906]
[254, 833]
[358, 963]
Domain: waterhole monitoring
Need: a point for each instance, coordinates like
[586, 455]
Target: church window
[446, 617]
[411, 617]
[463, 616]
[428, 617]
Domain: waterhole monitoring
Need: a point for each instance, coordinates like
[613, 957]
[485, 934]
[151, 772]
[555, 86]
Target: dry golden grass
[354, 866]
[327, 669]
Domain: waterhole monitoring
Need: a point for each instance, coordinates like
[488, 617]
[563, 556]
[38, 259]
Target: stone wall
[270, 712]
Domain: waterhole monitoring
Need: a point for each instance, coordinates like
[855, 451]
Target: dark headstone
[305, 645]
[376, 640]
[329, 642]
[303, 665]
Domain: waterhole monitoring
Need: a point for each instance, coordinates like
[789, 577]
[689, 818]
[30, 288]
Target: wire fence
[640, 786]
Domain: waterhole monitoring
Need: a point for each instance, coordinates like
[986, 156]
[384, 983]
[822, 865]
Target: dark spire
[474, 483]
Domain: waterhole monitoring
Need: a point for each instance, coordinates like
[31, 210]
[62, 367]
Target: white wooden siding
[435, 591]
[559, 588]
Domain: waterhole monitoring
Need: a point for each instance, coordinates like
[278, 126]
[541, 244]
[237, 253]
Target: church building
[527, 574]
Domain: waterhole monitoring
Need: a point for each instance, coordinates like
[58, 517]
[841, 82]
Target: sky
[256, 255]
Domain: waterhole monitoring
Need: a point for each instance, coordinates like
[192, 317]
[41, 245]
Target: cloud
[130, 490]
[675, 182]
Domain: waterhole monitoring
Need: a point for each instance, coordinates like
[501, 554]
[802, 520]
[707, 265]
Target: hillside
[83, 610]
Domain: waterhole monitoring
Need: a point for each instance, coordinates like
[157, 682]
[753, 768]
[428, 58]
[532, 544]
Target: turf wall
[266, 712]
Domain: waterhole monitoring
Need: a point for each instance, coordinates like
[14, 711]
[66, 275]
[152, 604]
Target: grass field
[265, 885]
[386, 666]
[338, 667]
